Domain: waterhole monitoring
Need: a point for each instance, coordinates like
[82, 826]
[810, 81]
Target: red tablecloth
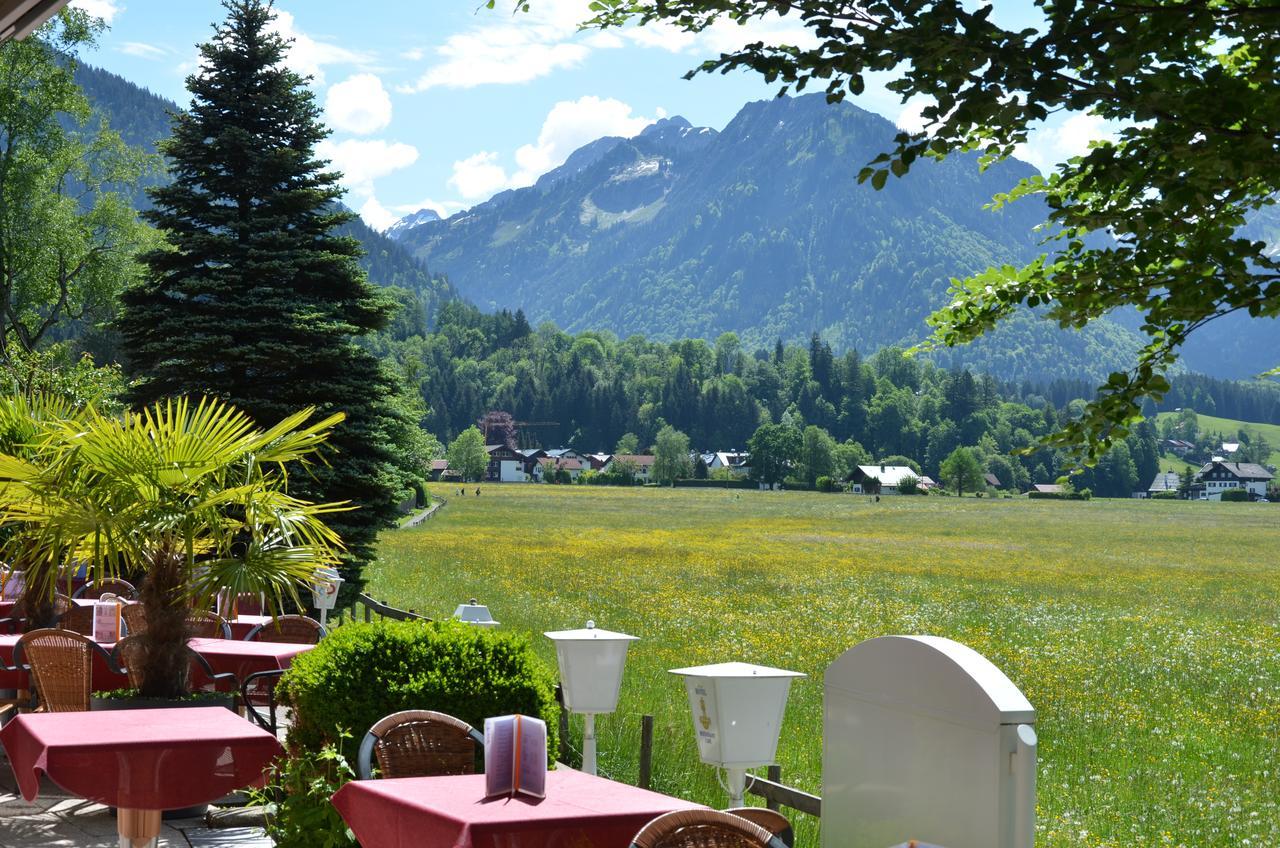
[6, 607]
[103, 678]
[244, 658]
[580, 811]
[140, 759]
[242, 624]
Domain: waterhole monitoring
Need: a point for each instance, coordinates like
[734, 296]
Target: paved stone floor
[57, 820]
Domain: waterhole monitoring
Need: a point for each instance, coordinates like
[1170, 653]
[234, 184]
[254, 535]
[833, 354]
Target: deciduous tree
[467, 454]
[962, 470]
[670, 456]
[68, 239]
[773, 449]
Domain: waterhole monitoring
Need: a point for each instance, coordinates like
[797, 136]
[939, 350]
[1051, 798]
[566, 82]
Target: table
[244, 658]
[141, 761]
[6, 607]
[242, 624]
[103, 677]
[580, 811]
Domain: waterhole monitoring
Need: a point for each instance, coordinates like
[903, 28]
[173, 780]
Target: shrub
[1165, 496]
[1082, 495]
[909, 486]
[733, 483]
[1237, 495]
[299, 813]
[362, 672]
[826, 484]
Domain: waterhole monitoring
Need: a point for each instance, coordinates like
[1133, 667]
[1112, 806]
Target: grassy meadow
[1145, 633]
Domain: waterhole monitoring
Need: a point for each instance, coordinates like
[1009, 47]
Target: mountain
[761, 229]
[422, 216]
[142, 118]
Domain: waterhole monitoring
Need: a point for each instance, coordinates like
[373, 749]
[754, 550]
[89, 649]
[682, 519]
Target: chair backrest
[703, 829]
[108, 585]
[61, 663]
[296, 629]
[242, 603]
[203, 624]
[129, 652]
[771, 820]
[420, 743]
[78, 619]
[135, 618]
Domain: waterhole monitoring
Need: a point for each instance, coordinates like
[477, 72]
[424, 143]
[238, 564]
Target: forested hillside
[142, 119]
[590, 389]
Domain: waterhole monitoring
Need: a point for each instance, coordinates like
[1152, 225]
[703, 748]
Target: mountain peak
[663, 125]
[408, 222]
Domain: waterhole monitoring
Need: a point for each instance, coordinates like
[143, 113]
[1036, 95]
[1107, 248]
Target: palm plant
[192, 496]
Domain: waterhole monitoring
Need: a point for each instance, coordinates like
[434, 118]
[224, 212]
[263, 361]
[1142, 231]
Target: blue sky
[442, 103]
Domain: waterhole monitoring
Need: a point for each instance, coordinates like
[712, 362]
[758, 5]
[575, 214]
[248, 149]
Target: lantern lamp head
[591, 662]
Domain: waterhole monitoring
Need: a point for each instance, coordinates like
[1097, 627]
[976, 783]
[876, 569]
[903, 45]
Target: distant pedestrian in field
[477, 491]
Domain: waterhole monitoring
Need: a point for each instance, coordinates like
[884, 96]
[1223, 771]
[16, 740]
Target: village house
[1047, 488]
[438, 468]
[506, 465]
[880, 479]
[548, 464]
[734, 461]
[1217, 477]
[640, 464]
[992, 480]
[1178, 446]
[1165, 481]
[598, 461]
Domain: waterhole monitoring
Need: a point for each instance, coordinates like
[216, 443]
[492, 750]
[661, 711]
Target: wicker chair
[295, 629]
[244, 603]
[61, 664]
[771, 820]
[420, 743]
[704, 829]
[78, 619]
[202, 624]
[112, 585]
[127, 656]
[135, 618]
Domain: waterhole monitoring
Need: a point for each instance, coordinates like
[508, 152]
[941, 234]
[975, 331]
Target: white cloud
[479, 176]
[1048, 146]
[569, 125]
[358, 104]
[308, 56]
[362, 161]
[443, 208]
[143, 50]
[376, 215]
[911, 117]
[516, 48]
[105, 9]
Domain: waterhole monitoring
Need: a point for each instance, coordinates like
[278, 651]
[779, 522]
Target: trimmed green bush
[362, 672]
[826, 484]
[740, 483]
[1237, 495]
[1082, 495]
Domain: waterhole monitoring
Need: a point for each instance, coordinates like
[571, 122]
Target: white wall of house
[512, 471]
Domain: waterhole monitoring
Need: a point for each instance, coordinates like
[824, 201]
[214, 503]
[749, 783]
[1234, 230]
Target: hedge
[362, 672]
[1237, 495]
[1082, 495]
[717, 484]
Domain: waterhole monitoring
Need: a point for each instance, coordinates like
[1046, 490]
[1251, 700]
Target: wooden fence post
[775, 774]
[646, 751]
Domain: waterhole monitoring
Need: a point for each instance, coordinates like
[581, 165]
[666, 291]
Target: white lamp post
[591, 664]
[324, 591]
[737, 715]
[474, 613]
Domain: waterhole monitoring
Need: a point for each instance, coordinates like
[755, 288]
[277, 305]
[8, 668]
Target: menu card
[106, 621]
[12, 585]
[515, 756]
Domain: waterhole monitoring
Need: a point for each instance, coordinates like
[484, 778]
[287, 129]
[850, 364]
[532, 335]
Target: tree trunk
[166, 664]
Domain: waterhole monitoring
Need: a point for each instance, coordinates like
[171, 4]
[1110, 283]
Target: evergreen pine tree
[258, 300]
